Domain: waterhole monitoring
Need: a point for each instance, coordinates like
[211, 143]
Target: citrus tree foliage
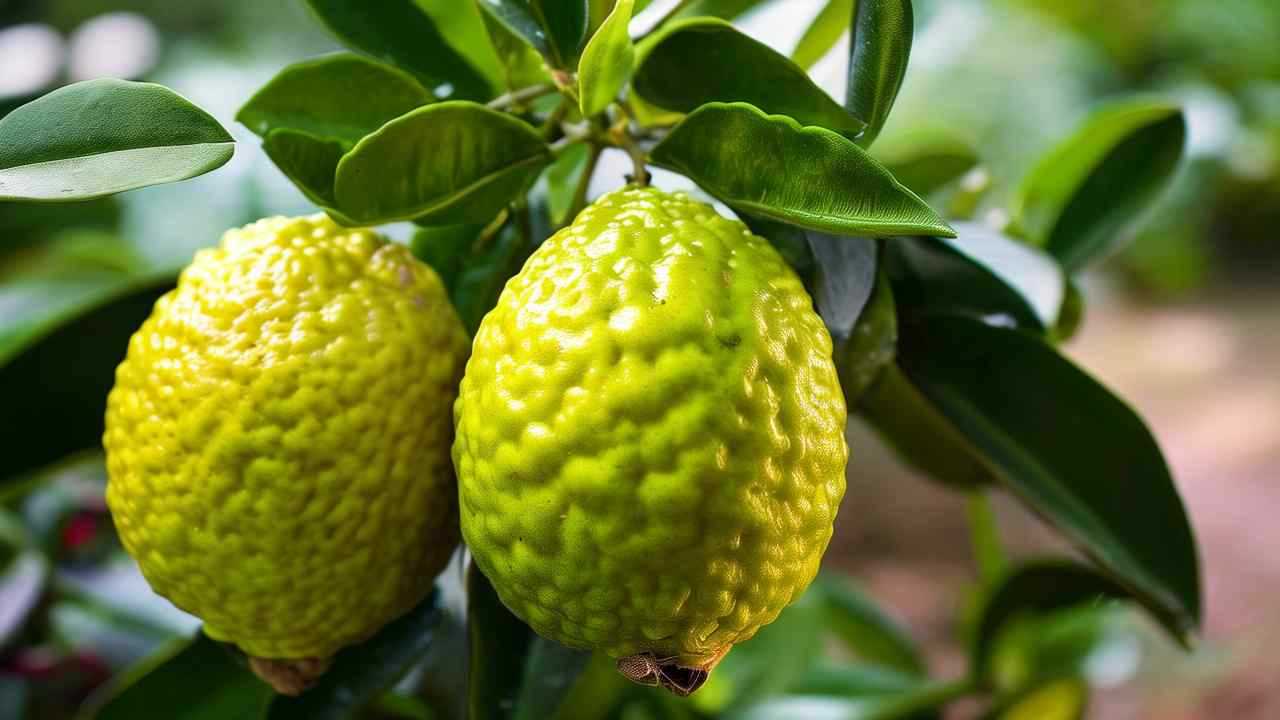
[946, 330]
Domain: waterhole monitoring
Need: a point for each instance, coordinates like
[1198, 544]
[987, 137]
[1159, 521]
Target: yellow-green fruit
[278, 437]
[650, 433]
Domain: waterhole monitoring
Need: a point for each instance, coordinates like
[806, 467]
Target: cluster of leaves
[482, 123]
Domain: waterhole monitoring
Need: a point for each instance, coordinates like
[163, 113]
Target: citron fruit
[278, 440]
[650, 437]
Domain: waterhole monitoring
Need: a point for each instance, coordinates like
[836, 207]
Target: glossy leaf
[607, 61]
[702, 60]
[981, 273]
[864, 628]
[922, 436]
[823, 33]
[462, 26]
[1061, 700]
[844, 280]
[499, 645]
[562, 179]
[400, 33]
[522, 65]
[1082, 195]
[920, 702]
[445, 163]
[100, 137]
[195, 679]
[927, 161]
[316, 97]
[361, 674]
[1068, 448]
[768, 165]
[310, 162]
[873, 344]
[879, 48]
[61, 337]
[22, 582]
[555, 28]
[550, 673]
[518, 18]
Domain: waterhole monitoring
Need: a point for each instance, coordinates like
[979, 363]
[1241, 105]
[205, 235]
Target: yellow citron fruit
[650, 437]
[278, 437]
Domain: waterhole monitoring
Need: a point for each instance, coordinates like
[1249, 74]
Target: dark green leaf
[879, 48]
[551, 672]
[925, 162]
[823, 33]
[316, 97]
[101, 137]
[22, 582]
[448, 163]
[606, 62]
[499, 645]
[361, 674]
[13, 696]
[61, 337]
[1034, 591]
[400, 33]
[562, 180]
[1080, 198]
[922, 436]
[522, 66]
[844, 281]
[446, 248]
[1067, 447]
[195, 679]
[462, 26]
[982, 273]
[595, 692]
[518, 17]
[566, 24]
[1062, 700]
[768, 165]
[874, 343]
[702, 60]
[858, 622]
[1071, 317]
[309, 161]
[849, 680]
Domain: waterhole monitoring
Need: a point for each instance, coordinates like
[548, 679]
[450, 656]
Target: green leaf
[879, 47]
[22, 584]
[446, 248]
[606, 62]
[1032, 592]
[823, 33]
[309, 162]
[61, 337]
[562, 179]
[849, 680]
[864, 628]
[927, 161]
[693, 62]
[724, 9]
[769, 165]
[499, 645]
[100, 137]
[1068, 448]
[361, 674]
[195, 679]
[550, 674]
[400, 33]
[980, 272]
[555, 28]
[920, 434]
[1062, 700]
[522, 65]
[1079, 199]
[316, 97]
[462, 26]
[446, 163]
[873, 344]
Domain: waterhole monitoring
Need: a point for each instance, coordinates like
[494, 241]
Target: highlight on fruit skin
[650, 437]
[278, 441]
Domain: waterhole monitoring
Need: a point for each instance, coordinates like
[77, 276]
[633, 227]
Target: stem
[489, 232]
[584, 182]
[521, 96]
[621, 137]
[987, 548]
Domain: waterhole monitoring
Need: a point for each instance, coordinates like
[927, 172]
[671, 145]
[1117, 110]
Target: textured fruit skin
[278, 437]
[650, 433]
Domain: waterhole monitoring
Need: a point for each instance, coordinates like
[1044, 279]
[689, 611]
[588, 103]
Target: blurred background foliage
[1008, 77]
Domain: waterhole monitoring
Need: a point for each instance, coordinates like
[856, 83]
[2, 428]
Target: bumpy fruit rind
[650, 443]
[278, 437]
